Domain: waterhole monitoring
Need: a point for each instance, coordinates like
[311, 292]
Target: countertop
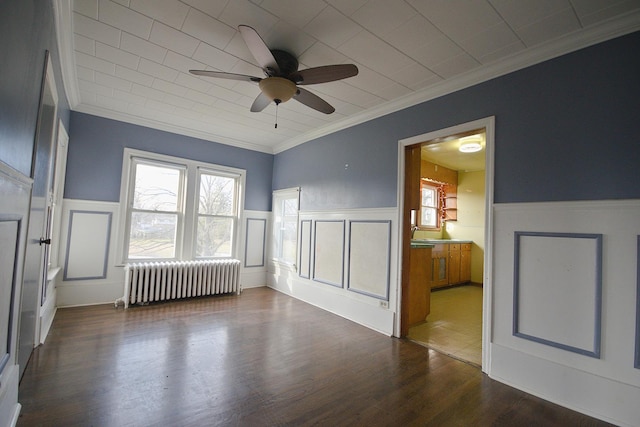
[438, 241]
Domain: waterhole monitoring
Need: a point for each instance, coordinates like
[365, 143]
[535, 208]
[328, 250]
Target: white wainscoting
[255, 231]
[332, 260]
[547, 336]
[88, 249]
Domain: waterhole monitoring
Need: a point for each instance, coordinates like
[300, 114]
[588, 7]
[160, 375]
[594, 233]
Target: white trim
[185, 247]
[63, 12]
[488, 124]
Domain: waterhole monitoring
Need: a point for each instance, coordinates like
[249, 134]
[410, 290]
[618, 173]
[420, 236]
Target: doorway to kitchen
[453, 215]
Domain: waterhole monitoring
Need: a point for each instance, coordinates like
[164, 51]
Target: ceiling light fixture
[470, 144]
[278, 89]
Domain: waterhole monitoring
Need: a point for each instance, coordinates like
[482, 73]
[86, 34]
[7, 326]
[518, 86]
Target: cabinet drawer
[440, 247]
[466, 246]
[454, 247]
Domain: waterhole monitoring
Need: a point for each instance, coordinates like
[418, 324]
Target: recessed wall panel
[557, 290]
[87, 245]
[255, 242]
[369, 249]
[329, 252]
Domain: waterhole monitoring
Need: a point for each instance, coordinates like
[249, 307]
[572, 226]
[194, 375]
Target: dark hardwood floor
[259, 359]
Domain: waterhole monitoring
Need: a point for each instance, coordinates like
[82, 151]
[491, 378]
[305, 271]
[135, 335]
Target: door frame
[488, 123]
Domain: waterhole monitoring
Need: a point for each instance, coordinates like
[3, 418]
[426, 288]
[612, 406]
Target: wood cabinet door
[465, 266]
[454, 265]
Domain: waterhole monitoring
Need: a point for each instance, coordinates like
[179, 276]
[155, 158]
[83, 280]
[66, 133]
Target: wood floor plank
[258, 359]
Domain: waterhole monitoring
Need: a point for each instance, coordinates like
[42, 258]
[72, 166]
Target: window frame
[186, 231]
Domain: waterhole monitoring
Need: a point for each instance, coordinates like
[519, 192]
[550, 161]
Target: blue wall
[27, 30]
[96, 147]
[566, 129]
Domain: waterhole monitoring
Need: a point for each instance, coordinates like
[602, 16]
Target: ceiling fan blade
[259, 50]
[222, 75]
[324, 74]
[313, 101]
[260, 103]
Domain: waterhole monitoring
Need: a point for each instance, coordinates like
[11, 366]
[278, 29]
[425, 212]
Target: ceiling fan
[282, 75]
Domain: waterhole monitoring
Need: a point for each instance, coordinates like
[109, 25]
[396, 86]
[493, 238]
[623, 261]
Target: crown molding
[578, 40]
[63, 15]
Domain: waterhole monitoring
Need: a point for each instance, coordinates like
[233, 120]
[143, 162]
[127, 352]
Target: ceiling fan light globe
[278, 89]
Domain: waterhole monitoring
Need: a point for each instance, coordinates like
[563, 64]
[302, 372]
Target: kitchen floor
[454, 326]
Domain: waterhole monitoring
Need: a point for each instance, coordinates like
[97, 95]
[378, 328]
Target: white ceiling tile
[332, 27]
[159, 105]
[126, 19]
[112, 81]
[525, 12]
[178, 101]
[394, 91]
[211, 7]
[122, 2]
[93, 63]
[244, 12]
[348, 7]
[84, 44]
[111, 103]
[182, 63]
[95, 88]
[173, 39]
[490, 40]
[193, 83]
[551, 27]
[593, 11]
[383, 16]
[142, 48]
[133, 76]
[343, 91]
[454, 66]
[243, 67]
[320, 54]
[157, 70]
[223, 93]
[199, 97]
[460, 19]
[170, 12]
[436, 51]
[169, 87]
[95, 30]
[147, 92]
[288, 37]
[86, 7]
[85, 74]
[414, 34]
[117, 56]
[86, 98]
[375, 53]
[213, 57]
[207, 29]
[415, 76]
[295, 12]
[502, 53]
[129, 97]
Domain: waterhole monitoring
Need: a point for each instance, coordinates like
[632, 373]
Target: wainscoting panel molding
[255, 242]
[304, 270]
[552, 272]
[87, 245]
[328, 265]
[369, 251]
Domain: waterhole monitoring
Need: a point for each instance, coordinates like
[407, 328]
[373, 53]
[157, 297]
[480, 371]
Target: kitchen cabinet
[450, 264]
[419, 291]
[439, 265]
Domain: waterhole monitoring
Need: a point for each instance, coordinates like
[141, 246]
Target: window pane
[288, 240]
[216, 195]
[214, 237]
[429, 218]
[156, 188]
[428, 196]
[153, 235]
[290, 207]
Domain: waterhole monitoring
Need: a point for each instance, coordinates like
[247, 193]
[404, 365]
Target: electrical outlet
[384, 304]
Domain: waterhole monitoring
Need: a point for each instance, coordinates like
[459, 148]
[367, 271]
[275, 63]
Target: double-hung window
[429, 205]
[178, 209]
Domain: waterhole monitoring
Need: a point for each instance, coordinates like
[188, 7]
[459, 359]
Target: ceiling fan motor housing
[287, 62]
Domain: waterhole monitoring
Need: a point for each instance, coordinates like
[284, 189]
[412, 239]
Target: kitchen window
[429, 205]
[178, 209]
